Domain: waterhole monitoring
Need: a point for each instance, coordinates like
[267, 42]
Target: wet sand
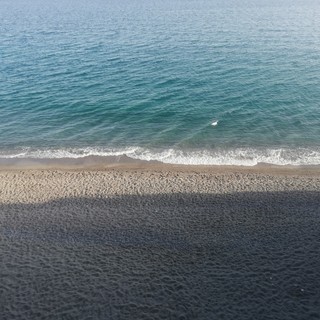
[160, 242]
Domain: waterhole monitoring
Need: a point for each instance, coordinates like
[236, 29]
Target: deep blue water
[148, 78]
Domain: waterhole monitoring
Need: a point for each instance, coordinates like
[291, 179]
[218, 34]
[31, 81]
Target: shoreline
[124, 163]
[95, 156]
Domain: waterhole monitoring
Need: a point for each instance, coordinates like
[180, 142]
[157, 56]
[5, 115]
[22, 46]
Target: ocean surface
[180, 81]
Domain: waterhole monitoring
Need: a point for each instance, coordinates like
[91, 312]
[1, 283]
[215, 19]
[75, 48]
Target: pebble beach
[159, 242]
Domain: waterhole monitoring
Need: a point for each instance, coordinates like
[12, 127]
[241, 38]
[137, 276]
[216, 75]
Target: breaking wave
[237, 156]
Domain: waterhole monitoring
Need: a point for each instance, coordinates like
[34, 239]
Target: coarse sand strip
[160, 242]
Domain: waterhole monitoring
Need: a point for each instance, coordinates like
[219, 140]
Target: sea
[195, 82]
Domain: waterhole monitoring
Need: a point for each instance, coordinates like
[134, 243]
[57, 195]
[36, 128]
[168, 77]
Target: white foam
[72, 153]
[237, 156]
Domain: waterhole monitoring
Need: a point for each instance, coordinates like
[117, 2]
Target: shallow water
[148, 78]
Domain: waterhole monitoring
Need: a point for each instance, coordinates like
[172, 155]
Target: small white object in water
[214, 123]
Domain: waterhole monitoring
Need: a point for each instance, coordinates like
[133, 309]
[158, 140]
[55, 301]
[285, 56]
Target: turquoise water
[148, 79]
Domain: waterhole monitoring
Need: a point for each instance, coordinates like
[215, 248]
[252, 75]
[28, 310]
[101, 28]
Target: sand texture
[159, 244]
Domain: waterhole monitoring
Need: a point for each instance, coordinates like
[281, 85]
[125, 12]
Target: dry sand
[160, 243]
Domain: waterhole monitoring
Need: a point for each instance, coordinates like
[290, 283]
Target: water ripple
[118, 75]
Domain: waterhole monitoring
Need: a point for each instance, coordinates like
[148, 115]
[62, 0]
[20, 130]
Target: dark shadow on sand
[172, 256]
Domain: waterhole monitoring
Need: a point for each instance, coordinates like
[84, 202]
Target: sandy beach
[159, 242]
